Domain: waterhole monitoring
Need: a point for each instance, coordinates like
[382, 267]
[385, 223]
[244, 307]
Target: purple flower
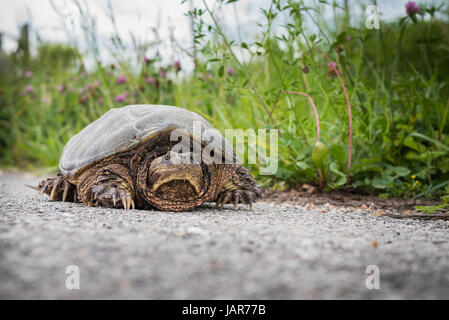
[61, 88]
[121, 79]
[411, 8]
[28, 74]
[84, 98]
[147, 60]
[45, 100]
[177, 66]
[332, 71]
[120, 98]
[207, 76]
[163, 73]
[28, 89]
[150, 80]
[230, 71]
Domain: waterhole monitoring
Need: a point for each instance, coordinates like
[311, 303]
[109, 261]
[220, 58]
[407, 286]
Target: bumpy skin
[147, 177]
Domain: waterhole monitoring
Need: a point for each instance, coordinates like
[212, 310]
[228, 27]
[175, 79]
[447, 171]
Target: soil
[394, 207]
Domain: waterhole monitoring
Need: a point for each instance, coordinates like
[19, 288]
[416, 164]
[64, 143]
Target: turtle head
[174, 177]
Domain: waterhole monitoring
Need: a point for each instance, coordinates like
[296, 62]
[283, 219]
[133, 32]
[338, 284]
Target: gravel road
[275, 252]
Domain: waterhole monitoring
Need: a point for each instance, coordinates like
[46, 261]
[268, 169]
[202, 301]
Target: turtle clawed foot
[237, 196]
[58, 189]
[112, 197]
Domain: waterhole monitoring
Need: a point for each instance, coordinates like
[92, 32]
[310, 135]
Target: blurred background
[64, 63]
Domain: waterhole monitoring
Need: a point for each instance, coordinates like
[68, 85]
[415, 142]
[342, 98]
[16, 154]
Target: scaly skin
[58, 189]
[146, 177]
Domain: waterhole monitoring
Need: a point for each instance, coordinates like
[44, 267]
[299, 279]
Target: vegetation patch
[379, 120]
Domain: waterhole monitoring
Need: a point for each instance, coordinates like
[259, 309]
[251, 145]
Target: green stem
[252, 88]
[348, 103]
[443, 121]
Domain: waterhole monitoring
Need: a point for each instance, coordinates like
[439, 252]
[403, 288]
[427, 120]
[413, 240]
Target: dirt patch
[395, 207]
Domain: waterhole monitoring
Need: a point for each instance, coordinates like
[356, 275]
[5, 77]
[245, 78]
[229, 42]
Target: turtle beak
[163, 171]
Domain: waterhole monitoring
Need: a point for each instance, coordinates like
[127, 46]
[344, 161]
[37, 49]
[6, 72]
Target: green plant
[433, 209]
[383, 101]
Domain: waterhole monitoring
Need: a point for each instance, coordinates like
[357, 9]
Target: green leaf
[334, 168]
[319, 153]
[400, 171]
[409, 142]
[342, 180]
[439, 144]
[302, 165]
[381, 182]
[338, 153]
[426, 156]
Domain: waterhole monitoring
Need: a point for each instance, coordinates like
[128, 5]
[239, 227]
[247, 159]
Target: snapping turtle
[127, 158]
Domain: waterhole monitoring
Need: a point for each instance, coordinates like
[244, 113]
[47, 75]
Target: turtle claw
[127, 201]
[241, 188]
[236, 201]
[53, 190]
[56, 188]
[46, 185]
[124, 201]
[236, 197]
[64, 194]
[111, 196]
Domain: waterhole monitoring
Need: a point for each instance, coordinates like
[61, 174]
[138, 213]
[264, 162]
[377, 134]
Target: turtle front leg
[107, 185]
[239, 188]
[58, 189]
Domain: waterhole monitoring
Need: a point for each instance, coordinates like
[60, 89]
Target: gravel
[276, 251]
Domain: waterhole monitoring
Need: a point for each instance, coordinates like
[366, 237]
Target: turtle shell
[121, 129]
